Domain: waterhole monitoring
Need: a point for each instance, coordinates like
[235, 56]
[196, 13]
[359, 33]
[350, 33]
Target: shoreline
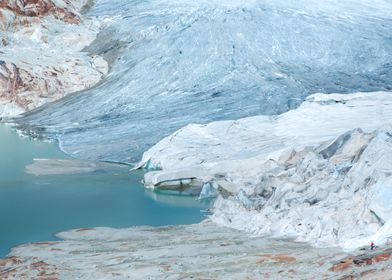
[201, 250]
[43, 192]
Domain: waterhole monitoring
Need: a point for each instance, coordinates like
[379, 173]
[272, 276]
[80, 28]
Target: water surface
[34, 208]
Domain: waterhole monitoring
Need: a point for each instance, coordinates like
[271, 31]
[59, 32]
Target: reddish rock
[285, 258]
[10, 81]
[361, 260]
[342, 265]
[366, 259]
[276, 258]
[40, 8]
[11, 84]
[10, 261]
[39, 265]
[382, 257]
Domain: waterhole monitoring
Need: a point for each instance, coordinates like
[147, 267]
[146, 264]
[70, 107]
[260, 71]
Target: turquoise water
[34, 208]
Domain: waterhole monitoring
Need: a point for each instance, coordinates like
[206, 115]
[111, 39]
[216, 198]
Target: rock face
[320, 173]
[41, 58]
[60, 9]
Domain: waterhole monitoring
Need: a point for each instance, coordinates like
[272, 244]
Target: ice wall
[180, 61]
[321, 173]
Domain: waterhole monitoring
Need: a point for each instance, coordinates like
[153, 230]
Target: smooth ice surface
[180, 61]
[34, 208]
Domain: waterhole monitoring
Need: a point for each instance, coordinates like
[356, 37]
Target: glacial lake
[35, 207]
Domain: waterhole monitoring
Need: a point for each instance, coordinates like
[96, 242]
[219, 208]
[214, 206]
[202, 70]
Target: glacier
[178, 62]
[320, 173]
[279, 110]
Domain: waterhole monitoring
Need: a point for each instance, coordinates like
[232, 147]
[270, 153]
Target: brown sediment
[10, 261]
[342, 265]
[366, 259]
[276, 258]
[11, 84]
[40, 8]
[39, 78]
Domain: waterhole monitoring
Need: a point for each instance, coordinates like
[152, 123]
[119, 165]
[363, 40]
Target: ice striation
[178, 62]
[321, 173]
[41, 57]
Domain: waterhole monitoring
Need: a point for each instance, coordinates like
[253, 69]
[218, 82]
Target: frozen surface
[320, 173]
[180, 61]
[320, 118]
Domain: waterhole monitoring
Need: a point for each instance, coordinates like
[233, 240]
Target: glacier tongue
[180, 62]
[321, 173]
[320, 118]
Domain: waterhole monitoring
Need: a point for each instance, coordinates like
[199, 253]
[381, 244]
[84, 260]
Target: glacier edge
[316, 173]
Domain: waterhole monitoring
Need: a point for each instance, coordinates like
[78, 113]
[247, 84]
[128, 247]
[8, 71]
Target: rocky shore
[41, 56]
[201, 251]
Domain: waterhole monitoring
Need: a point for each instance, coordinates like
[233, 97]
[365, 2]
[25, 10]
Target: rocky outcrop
[366, 259]
[63, 10]
[10, 82]
[368, 265]
[41, 53]
[200, 251]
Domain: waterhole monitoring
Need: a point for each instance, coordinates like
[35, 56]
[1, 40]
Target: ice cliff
[321, 173]
[41, 58]
[180, 61]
